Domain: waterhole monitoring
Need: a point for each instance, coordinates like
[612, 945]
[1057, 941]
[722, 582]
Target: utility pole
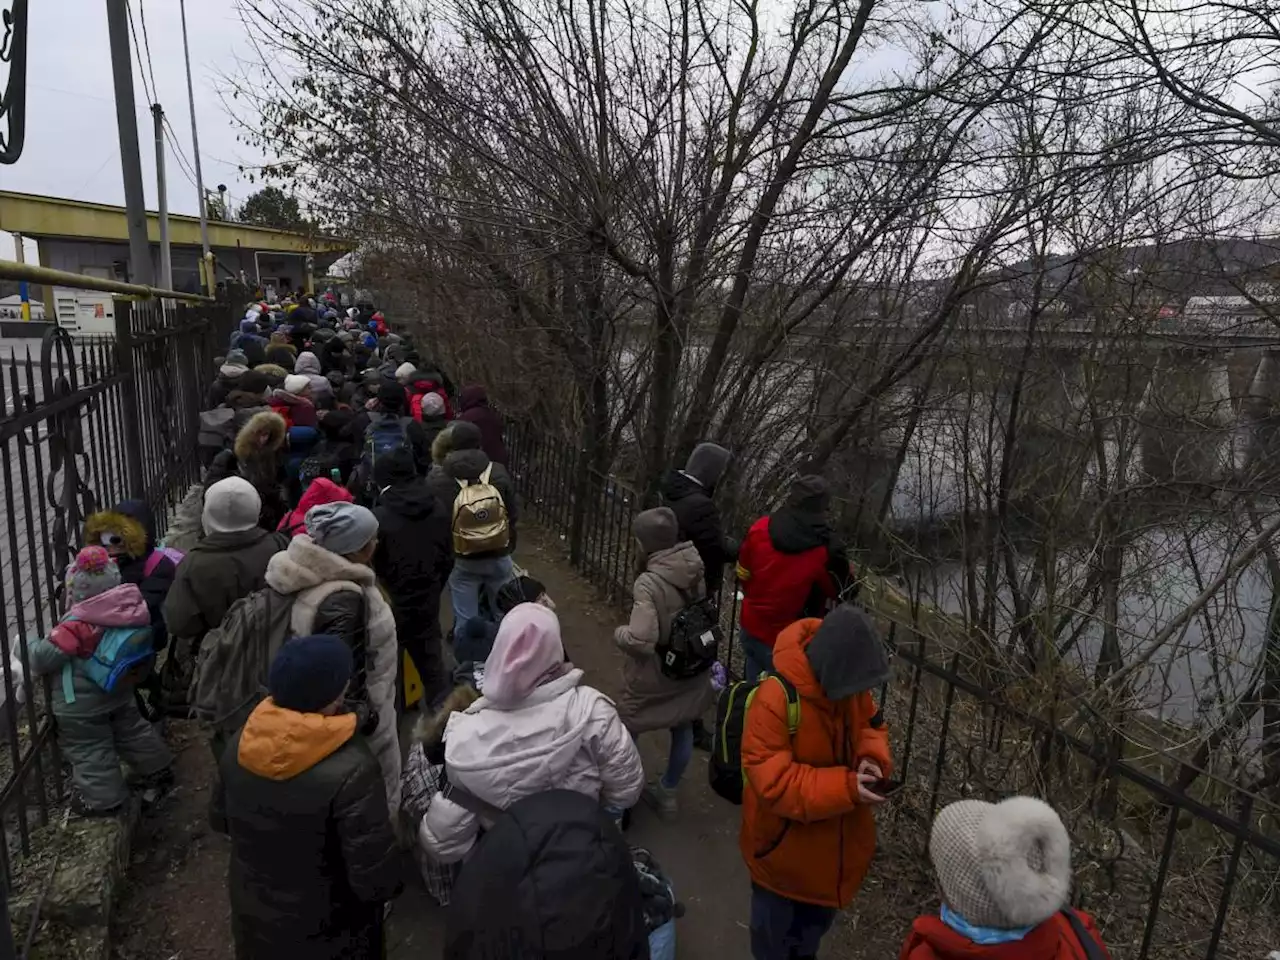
[166, 255]
[206, 268]
[139, 246]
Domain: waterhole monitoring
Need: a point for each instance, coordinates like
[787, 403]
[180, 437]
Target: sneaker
[155, 788]
[662, 799]
[79, 808]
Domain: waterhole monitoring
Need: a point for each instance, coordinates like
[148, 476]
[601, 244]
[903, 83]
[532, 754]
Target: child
[97, 728]
[1005, 873]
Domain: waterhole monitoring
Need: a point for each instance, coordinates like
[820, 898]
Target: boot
[662, 799]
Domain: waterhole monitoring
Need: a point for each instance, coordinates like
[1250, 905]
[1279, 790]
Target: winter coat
[227, 380]
[783, 567]
[700, 522]
[218, 571]
[651, 700]
[73, 640]
[321, 491]
[804, 834]
[564, 735]
[414, 556]
[132, 521]
[282, 355]
[475, 409]
[260, 464]
[313, 854]
[333, 595]
[931, 939]
[468, 465]
[413, 431]
[432, 427]
[302, 412]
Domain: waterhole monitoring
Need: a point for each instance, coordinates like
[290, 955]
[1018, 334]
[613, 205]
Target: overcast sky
[72, 147]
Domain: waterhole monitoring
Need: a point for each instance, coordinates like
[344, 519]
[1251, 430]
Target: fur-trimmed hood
[305, 565]
[441, 447]
[137, 539]
[266, 422]
[429, 730]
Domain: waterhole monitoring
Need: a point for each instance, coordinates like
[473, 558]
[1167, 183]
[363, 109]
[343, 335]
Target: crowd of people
[348, 486]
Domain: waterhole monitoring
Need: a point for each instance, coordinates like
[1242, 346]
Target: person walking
[327, 571]
[808, 832]
[689, 493]
[257, 456]
[1005, 874]
[478, 564]
[537, 727]
[474, 402]
[413, 561]
[670, 581]
[789, 567]
[230, 562]
[314, 857]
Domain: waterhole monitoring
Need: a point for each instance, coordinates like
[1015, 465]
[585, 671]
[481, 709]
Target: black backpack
[692, 639]
[380, 438]
[725, 768]
[552, 877]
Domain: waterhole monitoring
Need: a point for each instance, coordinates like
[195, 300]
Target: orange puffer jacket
[931, 939]
[804, 834]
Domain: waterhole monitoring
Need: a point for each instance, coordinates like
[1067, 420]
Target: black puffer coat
[415, 545]
[469, 465]
[700, 522]
[313, 855]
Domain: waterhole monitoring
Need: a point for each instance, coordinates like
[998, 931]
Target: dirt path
[174, 906]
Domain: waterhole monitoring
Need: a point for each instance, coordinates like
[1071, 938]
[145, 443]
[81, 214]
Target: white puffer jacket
[563, 736]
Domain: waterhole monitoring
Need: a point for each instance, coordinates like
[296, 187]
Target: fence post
[581, 487]
[129, 397]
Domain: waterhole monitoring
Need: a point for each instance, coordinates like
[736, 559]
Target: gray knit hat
[707, 463]
[344, 528]
[657, 529]
[1005, 865]
[846, 654]
[91, 573]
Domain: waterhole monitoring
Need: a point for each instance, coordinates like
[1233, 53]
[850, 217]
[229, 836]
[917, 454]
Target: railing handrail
[12, 270]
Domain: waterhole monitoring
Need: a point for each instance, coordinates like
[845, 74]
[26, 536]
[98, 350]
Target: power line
[137, 52]
[172, 136]
[142, 15]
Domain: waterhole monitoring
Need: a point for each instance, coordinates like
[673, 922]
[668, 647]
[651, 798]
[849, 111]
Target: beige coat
[651, 700]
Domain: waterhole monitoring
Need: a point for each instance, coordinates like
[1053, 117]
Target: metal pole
[129, 391]
[127, 124]
[24, 292]
[207, 256]
[166, 255]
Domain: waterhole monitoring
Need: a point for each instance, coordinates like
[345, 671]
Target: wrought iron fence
[84, 424]
[1169, 873]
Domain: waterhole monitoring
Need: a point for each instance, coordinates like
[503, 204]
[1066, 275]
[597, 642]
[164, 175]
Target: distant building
[93, 239]
[11, 308]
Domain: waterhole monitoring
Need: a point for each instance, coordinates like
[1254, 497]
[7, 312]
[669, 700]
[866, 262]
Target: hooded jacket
[469, 465]
[333, 595]
[218, 571]
[414, 555]
[313, 854]
[475, 409]
[261, 463]
[302, 411]
[131, 520]
[76, 636]
[782, 563]
[322, 490]
[804, 834]
[690, 499]
[650, 700]
[931, 939]
[563, 735]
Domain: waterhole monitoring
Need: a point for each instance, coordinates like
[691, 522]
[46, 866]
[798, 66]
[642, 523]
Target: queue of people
[341, 500]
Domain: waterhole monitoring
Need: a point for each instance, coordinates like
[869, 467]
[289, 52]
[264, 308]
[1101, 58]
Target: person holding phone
[808, 832]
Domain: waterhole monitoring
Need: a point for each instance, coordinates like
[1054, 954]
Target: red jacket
[931, 939]
[780, 563]
[322, 490]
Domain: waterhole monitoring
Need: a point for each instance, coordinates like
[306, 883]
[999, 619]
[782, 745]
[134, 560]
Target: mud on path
[174, 906]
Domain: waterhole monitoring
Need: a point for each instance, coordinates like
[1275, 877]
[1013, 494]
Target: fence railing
[84, 424]
[1169, 873]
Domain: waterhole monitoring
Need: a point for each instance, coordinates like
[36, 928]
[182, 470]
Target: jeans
[680, 755]
[757, 656]
[471, 576]
[783, 929]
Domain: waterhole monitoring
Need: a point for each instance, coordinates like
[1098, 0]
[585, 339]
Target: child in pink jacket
[98, 728]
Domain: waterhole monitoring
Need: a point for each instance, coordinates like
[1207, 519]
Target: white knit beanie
[1005, 865]
[296, 382]
[405, 372]
[230, 506]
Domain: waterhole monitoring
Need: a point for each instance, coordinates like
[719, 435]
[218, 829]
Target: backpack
[157, 555]
[217, 431]
[381, 438]
[692, 639]
[480, 517]
[122, 657]
[725, 769]
[322, 463]
[235, 657]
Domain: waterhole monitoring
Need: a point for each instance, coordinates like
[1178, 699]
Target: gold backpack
[479, 517]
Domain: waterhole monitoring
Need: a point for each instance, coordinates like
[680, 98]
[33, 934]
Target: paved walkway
[175, 903]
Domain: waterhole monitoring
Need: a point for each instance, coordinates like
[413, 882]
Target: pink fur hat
[525, 653]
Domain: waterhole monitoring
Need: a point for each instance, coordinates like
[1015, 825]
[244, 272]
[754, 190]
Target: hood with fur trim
[305, 565]
[120, 523]
[429, 730]
[266, 424]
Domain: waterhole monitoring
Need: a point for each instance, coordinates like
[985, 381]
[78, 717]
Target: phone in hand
[884, 787]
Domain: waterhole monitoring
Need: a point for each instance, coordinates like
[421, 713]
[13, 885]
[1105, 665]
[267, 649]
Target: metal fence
[1169, 873]
[84, 424]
